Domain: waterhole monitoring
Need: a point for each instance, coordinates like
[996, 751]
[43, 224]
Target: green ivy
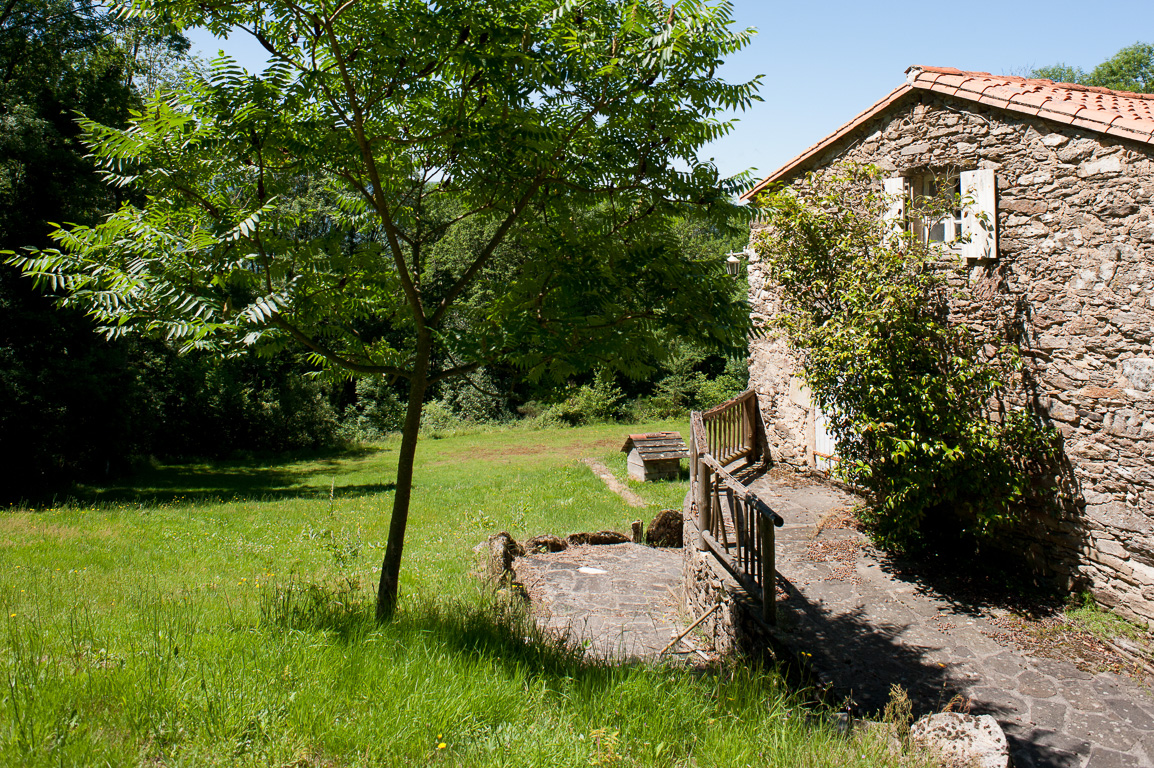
[921, 406]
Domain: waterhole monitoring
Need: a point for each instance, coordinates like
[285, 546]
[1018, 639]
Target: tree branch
[458, 371]
[333, 357]
[478, 263]
[412, 293]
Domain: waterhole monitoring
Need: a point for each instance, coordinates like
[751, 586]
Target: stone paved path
[619, 600]
[868, 626]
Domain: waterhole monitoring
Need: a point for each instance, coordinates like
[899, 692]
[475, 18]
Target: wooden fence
[720, 438]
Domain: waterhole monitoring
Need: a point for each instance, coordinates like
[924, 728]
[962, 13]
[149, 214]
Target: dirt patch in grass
[490, 454]
[509, 450]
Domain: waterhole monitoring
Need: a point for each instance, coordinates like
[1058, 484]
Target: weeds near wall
[921, 405]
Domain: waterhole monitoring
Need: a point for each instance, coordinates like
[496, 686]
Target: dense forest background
[77, 407]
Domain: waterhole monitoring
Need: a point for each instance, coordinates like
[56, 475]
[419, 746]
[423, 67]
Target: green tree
[1130, 69]
[908, 391]
[570, 128]
[1060, 73]
[65, 395]
[56, 57]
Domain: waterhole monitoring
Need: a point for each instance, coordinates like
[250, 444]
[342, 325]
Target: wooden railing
[732, 429]
[719, 439]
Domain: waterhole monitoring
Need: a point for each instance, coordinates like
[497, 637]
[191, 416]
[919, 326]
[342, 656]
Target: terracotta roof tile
[1031, 98]
[1118, 113]
[1088, 119]
[1126, 133]
[993, 99]
[955, 81]
[1062, 110]
[1095, 108]
[1132, 124]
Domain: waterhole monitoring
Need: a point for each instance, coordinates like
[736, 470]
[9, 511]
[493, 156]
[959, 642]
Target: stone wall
[1075, 275]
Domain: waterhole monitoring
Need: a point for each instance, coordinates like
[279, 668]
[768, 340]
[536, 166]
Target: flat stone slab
[962, 741]
[619, 601]
[866, 626]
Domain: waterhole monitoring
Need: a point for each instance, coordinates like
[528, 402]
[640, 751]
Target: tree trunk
[391, 567]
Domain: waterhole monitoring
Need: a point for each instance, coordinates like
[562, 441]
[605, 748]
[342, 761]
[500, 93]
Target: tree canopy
[1130, 69]
[412, 189]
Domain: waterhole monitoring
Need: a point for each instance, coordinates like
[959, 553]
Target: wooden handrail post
[704, 503]
[768, 569]
[748, 411]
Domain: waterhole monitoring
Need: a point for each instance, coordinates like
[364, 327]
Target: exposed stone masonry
[1074, 278]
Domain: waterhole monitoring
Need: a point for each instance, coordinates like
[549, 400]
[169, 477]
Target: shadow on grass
[498, 629]
[251, 479]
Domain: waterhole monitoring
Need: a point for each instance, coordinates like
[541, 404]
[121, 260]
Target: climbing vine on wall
[920, 405]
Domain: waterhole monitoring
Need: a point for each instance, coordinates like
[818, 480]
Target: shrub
[438, 419]
[476, 398]
[600, 401]
[729, 384]
[377, 411]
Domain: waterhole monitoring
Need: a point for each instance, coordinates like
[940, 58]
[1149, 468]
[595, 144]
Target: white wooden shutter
[824, 445]
[895, 189]
[979, 215]
[896, 193]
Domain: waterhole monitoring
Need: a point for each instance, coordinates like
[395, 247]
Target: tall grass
[222, 615]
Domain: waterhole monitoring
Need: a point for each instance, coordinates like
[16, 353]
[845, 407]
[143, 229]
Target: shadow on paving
[971, 583]
[859, 658]
[865, 621]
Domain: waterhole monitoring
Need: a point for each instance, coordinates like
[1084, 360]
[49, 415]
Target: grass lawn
[222, 614]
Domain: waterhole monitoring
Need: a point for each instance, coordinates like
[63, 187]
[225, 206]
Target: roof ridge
[1039, 80]
[1121, 113]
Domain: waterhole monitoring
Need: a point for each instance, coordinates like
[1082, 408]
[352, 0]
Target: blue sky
[826, 61]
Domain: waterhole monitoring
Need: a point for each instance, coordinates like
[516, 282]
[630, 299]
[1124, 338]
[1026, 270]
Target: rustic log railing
[719, 438]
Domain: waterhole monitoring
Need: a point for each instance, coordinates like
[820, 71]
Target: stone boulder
[665, 530]
[962, 741]
[546, 542]
[503, 549]
[599, 537]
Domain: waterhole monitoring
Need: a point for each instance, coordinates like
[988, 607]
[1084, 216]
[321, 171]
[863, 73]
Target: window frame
[972, 232]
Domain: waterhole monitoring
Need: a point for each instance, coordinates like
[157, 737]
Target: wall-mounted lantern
[733, 263]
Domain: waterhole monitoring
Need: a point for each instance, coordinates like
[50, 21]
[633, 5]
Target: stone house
[1065, 176]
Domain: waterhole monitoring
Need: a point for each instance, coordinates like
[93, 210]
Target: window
[925, 188]
[971, 230]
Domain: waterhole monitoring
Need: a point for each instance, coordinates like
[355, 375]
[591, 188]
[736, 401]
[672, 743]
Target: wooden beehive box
[655, 456]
